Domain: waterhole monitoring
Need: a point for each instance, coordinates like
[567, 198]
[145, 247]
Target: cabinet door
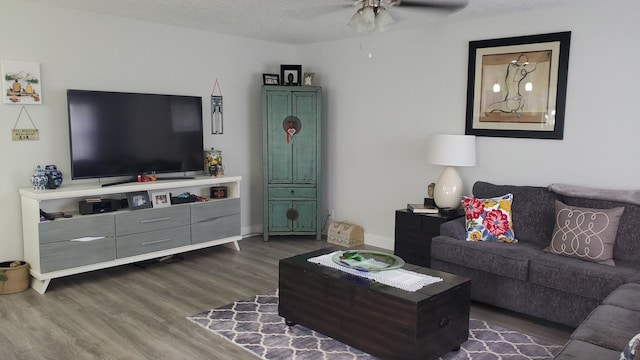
[279, 152]
[306, 215]
[292, 158]
[304, 141]
[292, 215]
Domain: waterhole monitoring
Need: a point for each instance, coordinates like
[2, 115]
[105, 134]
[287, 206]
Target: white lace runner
[398, 278]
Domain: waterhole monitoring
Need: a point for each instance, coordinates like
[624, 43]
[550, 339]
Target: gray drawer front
[139, 221]
[136, 244]
[70, 254]
[216, 228]
[292, 192]
[212, 209]
[77, 227]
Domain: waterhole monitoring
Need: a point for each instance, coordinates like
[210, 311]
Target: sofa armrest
[454, 229]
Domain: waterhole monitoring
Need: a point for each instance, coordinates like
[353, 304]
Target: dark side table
[414, 232]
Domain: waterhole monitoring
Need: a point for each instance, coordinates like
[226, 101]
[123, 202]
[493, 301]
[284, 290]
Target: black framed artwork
[290, 75]
[517, 86]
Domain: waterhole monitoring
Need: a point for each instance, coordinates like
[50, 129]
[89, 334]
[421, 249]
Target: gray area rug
[254, 324]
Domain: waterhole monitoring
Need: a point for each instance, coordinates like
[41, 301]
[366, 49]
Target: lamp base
[447, 193]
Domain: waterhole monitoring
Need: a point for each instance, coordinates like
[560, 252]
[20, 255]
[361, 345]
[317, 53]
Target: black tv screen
[128, 134]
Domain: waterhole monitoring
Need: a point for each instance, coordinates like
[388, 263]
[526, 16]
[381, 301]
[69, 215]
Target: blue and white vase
[52, 172]
[39, 178]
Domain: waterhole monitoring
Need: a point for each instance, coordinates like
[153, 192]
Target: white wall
[378, 112]
[84, 51]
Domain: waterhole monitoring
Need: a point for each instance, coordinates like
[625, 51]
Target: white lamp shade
[452, 150]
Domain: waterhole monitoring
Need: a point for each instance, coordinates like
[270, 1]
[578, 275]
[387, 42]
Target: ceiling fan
[372, 16]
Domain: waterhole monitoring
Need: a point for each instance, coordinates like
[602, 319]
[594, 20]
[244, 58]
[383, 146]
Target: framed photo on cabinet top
[517, 86]
[291, 74]
[271, 79]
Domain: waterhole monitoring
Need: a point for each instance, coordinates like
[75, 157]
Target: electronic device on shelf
[128, 134]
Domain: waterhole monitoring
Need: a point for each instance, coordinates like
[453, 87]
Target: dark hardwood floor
[139, 312]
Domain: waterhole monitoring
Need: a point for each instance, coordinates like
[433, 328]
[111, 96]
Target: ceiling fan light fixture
[371, 18]
[383, 20]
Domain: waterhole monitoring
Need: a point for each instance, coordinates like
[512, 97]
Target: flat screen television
[129, 134]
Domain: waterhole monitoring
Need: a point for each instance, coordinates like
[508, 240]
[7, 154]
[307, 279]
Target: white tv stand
[67, 246]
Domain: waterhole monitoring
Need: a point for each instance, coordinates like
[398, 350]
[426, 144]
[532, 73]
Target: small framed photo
[291, 74]
[160, 199]
[271, 79]
[138, 200]
[308, 79]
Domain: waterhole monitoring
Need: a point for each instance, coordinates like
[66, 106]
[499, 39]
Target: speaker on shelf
[97, 207]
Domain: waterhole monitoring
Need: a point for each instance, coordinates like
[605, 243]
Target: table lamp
[450, 151]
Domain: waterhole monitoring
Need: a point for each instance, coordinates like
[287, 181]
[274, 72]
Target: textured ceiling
[287, 21]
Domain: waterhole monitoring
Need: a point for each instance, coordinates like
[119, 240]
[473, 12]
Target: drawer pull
[154, 220]
[154, 242]
[88, 238]
[293, 192]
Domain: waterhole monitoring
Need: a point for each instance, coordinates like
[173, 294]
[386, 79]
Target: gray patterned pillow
[583, 233]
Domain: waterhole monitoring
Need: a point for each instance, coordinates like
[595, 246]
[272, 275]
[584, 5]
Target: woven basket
[14, 277]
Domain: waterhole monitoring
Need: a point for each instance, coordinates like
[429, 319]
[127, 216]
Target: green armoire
[291, 123]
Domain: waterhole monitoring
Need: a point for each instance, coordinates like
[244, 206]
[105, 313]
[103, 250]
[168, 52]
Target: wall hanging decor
[24, 134]
[216, 110]
[517, 86]
[21, 82]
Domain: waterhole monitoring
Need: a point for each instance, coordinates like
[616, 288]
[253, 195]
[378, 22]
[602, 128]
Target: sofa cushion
[532, 209]
[609, 326]
[625, 296]
[578, 277]
[489, 219]
[580, 350]
[509, 260]
[585, 233]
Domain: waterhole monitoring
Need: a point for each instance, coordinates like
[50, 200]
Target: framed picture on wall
[517, 86]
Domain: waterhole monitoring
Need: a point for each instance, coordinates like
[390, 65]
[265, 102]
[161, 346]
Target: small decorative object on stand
[39, 179]
[213, 162]
[54, 177]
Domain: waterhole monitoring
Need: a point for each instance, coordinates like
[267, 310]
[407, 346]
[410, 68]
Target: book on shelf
[422, 209]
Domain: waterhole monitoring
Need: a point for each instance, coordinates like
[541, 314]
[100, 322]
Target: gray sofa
[608, 329]
[522, 277]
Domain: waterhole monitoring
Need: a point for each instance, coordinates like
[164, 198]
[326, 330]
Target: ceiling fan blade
[432, 4]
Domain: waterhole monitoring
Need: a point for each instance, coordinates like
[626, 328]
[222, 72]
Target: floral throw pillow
[489, 219]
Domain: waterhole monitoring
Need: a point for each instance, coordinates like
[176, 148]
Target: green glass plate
[367, 260]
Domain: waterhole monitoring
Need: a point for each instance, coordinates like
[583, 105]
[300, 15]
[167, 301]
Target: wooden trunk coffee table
[381, 320]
